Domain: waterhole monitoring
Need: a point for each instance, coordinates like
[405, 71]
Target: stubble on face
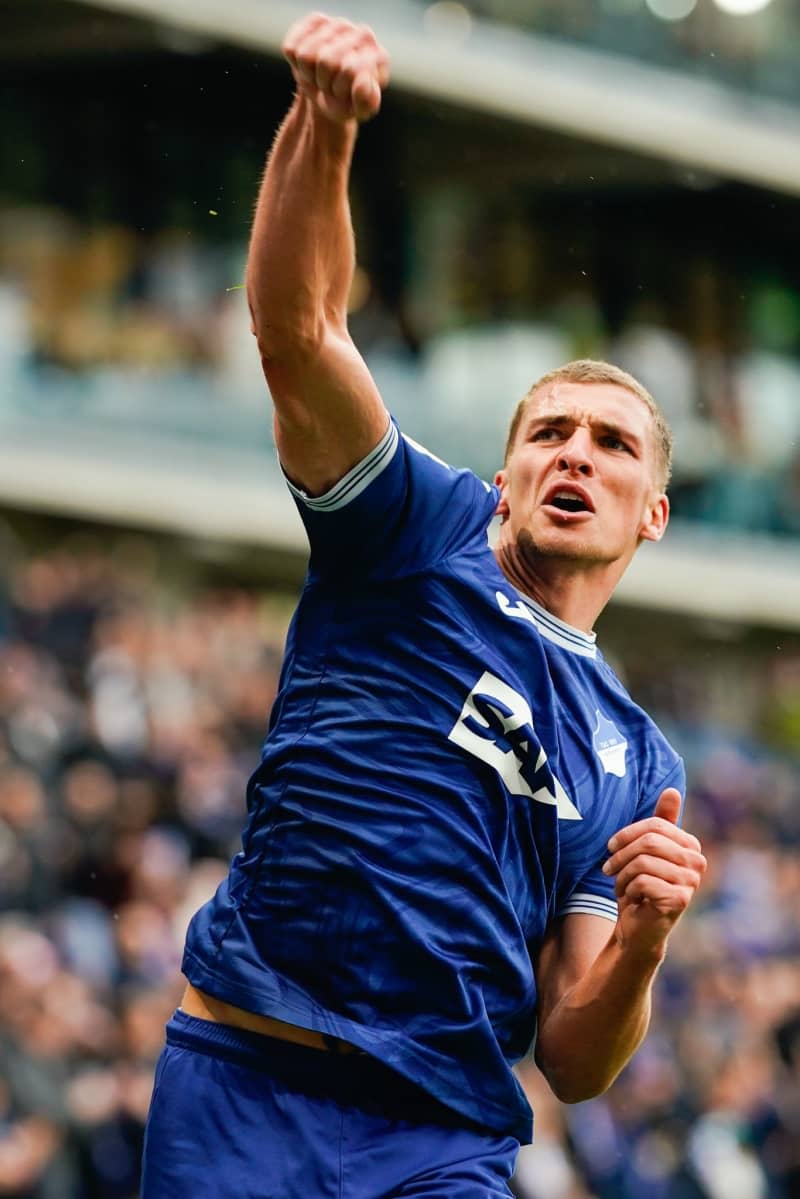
[537, 540]
[576, 553]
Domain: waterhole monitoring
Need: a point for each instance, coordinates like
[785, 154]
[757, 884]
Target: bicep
[328, 412]
[571, 945]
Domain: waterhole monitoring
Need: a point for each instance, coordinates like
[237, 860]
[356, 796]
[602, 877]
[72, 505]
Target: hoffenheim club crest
[609, 745]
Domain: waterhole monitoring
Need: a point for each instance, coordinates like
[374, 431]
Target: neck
[574, 591]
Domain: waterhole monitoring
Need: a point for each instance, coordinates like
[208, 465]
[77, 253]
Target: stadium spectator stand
[133, 699]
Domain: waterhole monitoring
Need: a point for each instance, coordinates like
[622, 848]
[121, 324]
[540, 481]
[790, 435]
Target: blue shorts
[236, 1115]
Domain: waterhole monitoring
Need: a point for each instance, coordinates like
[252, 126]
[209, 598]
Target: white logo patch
[494, 713]
[609, 745]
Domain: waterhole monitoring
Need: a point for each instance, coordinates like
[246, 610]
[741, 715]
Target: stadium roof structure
[611, 99]
[107, 472]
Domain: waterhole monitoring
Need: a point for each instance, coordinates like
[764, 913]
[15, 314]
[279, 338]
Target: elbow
[282, 339]
[577, 1090]
[286, 329]
[578, 1085]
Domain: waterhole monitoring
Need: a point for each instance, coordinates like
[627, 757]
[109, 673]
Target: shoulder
[399, 510]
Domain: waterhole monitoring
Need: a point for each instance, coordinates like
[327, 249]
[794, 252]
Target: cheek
[526, 478]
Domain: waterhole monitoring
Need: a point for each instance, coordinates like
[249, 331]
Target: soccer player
[463, 834]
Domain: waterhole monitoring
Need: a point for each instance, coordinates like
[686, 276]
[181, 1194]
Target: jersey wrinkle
[440, 780]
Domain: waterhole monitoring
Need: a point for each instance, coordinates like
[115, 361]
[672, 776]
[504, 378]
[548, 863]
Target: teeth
[569, 501]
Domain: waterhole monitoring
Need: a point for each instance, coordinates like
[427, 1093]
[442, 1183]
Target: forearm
[596, 1026]
[595, 990]
[301, 257]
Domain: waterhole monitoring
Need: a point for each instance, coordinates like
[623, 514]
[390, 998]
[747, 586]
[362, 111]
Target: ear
[501, 480]
[656, 520]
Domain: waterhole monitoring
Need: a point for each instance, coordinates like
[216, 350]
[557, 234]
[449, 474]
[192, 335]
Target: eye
[610, 441]
[547, 434]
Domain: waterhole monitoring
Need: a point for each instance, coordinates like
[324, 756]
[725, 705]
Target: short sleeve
[398, 511]
[594, 894]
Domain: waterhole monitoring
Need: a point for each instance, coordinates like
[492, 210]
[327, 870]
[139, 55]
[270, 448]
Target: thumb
[669, 805]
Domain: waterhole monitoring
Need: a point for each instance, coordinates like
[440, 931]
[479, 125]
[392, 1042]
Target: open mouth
[568, 501]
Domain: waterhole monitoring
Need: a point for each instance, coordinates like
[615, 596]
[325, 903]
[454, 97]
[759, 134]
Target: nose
[575, 456]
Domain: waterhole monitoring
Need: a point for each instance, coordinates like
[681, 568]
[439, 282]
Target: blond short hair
[588, 370]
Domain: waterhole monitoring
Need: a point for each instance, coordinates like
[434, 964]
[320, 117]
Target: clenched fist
[340, 66]
[657, 868]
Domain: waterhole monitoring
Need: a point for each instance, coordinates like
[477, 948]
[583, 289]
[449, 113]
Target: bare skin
[594, 442]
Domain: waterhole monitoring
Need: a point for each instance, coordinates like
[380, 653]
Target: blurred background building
[548, 179]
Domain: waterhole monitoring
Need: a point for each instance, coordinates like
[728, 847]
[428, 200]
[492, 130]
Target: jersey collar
[558, 631]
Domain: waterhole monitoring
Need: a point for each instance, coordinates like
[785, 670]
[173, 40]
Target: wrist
[327, 123]
[645, 954]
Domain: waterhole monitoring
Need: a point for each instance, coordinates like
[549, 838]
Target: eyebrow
[560, 419]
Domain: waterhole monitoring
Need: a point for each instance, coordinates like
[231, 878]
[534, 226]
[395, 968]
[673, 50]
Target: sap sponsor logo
[609, 745]
[496, 726]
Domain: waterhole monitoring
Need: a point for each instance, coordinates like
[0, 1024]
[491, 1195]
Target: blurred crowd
[132, 708]
[129, 725]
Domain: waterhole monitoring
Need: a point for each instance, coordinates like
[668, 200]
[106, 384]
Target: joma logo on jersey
[496, 725]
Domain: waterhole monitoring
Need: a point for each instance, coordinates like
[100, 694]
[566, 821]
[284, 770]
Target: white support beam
[712, 573]
[608, 99]
[238, 497]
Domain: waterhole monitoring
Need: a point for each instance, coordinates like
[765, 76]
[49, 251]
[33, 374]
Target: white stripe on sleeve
[356, 480]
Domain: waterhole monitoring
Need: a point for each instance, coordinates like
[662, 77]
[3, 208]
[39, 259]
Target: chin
[567, 544]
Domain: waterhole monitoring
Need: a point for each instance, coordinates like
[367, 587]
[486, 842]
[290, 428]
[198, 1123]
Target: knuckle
[340, 87]
[350, 64]
[364, 81]
[327, 60]
[343, 29]
[695, 862]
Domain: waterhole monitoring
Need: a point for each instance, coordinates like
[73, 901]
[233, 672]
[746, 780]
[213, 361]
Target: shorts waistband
[358, 1079]
[260, 1050]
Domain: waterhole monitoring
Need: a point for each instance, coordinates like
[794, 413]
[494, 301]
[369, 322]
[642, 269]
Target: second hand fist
[658, 868]
[339, 65]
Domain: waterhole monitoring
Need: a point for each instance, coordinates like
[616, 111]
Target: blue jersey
[444, 766]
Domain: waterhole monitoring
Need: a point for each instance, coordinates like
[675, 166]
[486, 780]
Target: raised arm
[595, 990]
[328, 413]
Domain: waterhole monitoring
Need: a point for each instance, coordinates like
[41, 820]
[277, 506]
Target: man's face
[582, 476]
